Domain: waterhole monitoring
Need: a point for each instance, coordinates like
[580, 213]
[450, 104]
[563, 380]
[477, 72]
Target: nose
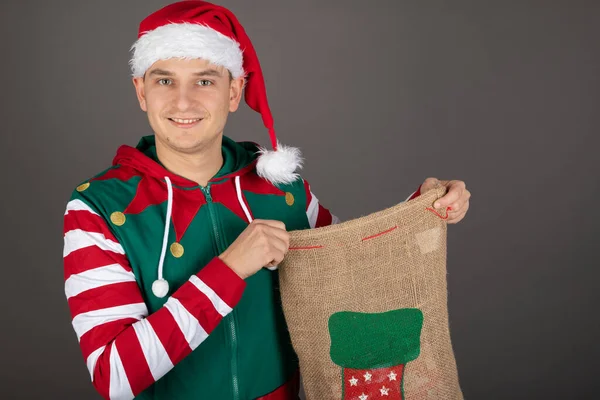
[185, 99]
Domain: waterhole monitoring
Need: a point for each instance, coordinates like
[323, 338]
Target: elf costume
[157, 314]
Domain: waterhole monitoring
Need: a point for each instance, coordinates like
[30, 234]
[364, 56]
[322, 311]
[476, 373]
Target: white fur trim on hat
[279, 166]
[189, 41]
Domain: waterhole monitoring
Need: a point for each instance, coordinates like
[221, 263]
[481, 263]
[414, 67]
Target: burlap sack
[366, 305]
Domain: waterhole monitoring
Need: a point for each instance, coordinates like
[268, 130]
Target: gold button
[83, 186]
[176, 250]
[117, 218]
[289, 199]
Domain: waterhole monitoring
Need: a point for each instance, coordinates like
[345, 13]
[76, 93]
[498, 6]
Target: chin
[187, 140]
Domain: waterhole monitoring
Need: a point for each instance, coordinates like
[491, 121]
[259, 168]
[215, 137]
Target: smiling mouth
[182, 123]
[185, 121]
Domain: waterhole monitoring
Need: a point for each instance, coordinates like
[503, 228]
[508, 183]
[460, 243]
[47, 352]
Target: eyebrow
[207, 72]
[160, 72]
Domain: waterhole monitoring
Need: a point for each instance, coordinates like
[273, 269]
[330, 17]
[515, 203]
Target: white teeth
[185, 121]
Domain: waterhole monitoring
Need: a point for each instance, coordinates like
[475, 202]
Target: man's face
[187, 101]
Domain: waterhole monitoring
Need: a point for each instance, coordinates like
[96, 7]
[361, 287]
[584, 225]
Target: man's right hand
[263, 243]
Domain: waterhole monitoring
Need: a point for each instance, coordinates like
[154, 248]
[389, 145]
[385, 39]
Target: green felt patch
[375, 340]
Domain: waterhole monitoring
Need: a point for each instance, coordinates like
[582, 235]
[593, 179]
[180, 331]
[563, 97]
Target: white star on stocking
[384, 391]
[363, 397]
[353, 381]
[392, 376]
[367, 377]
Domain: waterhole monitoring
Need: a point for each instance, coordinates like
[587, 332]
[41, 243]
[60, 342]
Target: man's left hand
[457, 198]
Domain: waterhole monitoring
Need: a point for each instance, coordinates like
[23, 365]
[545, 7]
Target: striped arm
[125, 349]
[317, 215]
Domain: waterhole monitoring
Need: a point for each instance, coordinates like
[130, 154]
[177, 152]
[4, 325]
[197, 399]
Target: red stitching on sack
[380, 233]
[436, 213]
[306, 248]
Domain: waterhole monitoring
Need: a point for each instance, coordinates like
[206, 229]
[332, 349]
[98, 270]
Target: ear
[140, 92]
[235, 93]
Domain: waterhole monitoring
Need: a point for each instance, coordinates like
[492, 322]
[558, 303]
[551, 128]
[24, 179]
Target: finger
[277, 233]
[279, 258]
[273, 264]
[455, 216]
[455, 191]
[457, 206]
[276, 256]
[461, 208]
[461, 202]
[270, 222]
[278, 243]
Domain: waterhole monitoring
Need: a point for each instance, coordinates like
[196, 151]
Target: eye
[164, 82]
[204, 82]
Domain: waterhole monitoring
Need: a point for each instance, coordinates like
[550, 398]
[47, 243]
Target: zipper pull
[206, 191]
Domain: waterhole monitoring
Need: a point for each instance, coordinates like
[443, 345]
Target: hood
[239, 158]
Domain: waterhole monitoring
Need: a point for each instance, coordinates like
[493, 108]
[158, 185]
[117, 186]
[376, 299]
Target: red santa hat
[198, 29]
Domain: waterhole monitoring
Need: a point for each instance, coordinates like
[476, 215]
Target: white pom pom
[160, 288]
[279, 166]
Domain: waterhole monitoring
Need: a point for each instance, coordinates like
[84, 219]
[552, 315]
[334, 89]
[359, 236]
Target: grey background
[379, 95]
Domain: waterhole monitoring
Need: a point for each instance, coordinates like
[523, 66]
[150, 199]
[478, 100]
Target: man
[165, 250]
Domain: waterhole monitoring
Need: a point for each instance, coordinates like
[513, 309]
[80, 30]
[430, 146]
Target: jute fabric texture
[366, 305]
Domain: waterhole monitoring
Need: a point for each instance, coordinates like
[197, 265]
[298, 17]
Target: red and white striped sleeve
[125, 349]
[317, 215]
